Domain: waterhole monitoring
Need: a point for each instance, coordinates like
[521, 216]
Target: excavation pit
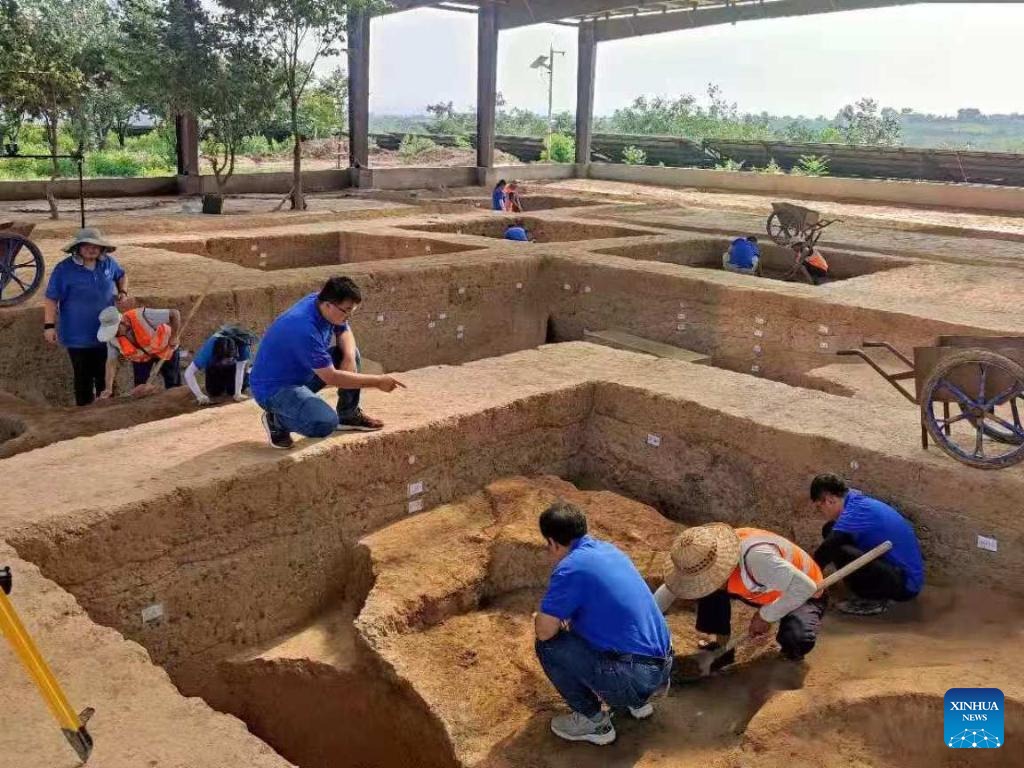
[776, 261]
[296, 251]
[540, 230]
[351, 620]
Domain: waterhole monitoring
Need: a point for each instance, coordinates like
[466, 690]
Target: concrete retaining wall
[68, 188]
[278, 183]
[971, 196]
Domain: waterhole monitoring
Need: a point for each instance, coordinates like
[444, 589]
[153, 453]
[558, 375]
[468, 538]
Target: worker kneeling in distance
[715, 564]
[600, 634]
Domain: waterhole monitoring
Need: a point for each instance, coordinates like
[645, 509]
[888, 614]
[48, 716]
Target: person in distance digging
[143, 336]
[308, 347]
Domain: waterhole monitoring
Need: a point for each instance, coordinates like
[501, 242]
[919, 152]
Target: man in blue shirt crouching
[856, 524]
[307, 348]
[600, 634]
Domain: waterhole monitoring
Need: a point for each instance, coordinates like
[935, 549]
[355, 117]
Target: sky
[933, 58]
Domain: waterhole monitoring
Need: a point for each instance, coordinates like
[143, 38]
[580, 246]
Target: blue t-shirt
[871, 522]
[598, 589]
[81, 294]
[296, 344]
[498, 199]
[517, 233]
[743, 253]
[204, 357]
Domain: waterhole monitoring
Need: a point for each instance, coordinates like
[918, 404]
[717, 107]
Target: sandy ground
[892, 215]
[441, 636]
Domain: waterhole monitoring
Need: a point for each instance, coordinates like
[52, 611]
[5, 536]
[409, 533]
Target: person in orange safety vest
[142, 336]
[715, 564]
[811, 263]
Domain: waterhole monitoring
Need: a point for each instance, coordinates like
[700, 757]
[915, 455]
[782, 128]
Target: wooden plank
[619, 339]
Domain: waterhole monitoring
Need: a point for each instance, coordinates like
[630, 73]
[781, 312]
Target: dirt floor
[364, 601]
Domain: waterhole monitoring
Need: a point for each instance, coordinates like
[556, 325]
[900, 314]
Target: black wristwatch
[49, 326]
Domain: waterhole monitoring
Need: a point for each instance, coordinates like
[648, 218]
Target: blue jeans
[298, 409]
[585, 676]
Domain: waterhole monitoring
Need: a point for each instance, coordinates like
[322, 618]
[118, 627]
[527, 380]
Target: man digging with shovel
[715, 564]
[144, 336]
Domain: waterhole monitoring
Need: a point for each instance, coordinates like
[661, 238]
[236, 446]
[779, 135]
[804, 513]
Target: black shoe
[359, 422]
[279, 438]
[860, 607]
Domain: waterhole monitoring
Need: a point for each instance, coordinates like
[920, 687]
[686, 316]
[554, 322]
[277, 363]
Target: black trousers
[170, 372]
[798, 630]
[220, 380]
[90, 370]
[878, 580]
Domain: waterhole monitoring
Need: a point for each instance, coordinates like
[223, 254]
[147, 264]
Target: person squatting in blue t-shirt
[308, 347]
[600, 634]
[856, 524]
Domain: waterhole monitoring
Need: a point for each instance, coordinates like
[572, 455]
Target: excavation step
[618, 339]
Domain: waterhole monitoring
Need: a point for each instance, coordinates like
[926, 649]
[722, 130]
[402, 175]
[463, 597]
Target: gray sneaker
[642, 712]
[577, 727]
[859, 607]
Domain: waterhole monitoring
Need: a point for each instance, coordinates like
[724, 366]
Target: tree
[165, 50]
[335, 85]
[289, 29]
[58, 56]
[237, 104]
[861, 123]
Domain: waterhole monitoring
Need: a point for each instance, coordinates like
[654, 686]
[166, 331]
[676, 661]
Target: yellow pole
[39, 671]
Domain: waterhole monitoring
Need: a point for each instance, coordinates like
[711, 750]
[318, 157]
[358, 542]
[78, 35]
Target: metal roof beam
[672, 21]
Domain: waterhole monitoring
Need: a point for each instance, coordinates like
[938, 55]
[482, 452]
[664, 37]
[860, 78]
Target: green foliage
[728, 164]
[861, 123]
[414, 145]
[563, 149]
[463, 142]
[772, 169]
[632, 155]
[683, 116]
[811, 165]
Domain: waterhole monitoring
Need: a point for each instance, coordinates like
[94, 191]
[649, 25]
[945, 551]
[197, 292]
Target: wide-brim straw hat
[701, 560]
[89, 236]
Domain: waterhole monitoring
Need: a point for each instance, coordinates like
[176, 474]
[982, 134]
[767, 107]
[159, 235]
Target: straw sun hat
[701, 560]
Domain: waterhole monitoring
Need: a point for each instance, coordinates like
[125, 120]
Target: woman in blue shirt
[499, 200]
[80, 287]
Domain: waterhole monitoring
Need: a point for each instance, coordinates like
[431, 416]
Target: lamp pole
[548, 63]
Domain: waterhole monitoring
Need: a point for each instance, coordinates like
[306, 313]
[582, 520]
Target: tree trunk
[298, 201]
[51, 139]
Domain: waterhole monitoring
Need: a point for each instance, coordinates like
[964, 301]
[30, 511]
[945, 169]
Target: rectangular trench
[235, 564]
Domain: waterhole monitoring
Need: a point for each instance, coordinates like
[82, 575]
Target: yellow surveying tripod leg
[72, 725]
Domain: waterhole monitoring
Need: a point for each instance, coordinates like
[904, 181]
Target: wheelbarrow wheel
[986, 431]
[779, 231]
[21, 268]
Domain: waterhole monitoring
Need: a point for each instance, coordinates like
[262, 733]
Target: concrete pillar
[359, 89]
[486, 83]
[585, 77]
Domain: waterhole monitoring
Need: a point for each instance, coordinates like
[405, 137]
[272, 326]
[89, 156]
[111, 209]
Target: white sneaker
[642, 712]
[577, 727]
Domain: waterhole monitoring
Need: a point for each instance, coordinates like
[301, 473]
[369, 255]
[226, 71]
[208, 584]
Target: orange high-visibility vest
[817, 260]
[742, 585]
[150, 345]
